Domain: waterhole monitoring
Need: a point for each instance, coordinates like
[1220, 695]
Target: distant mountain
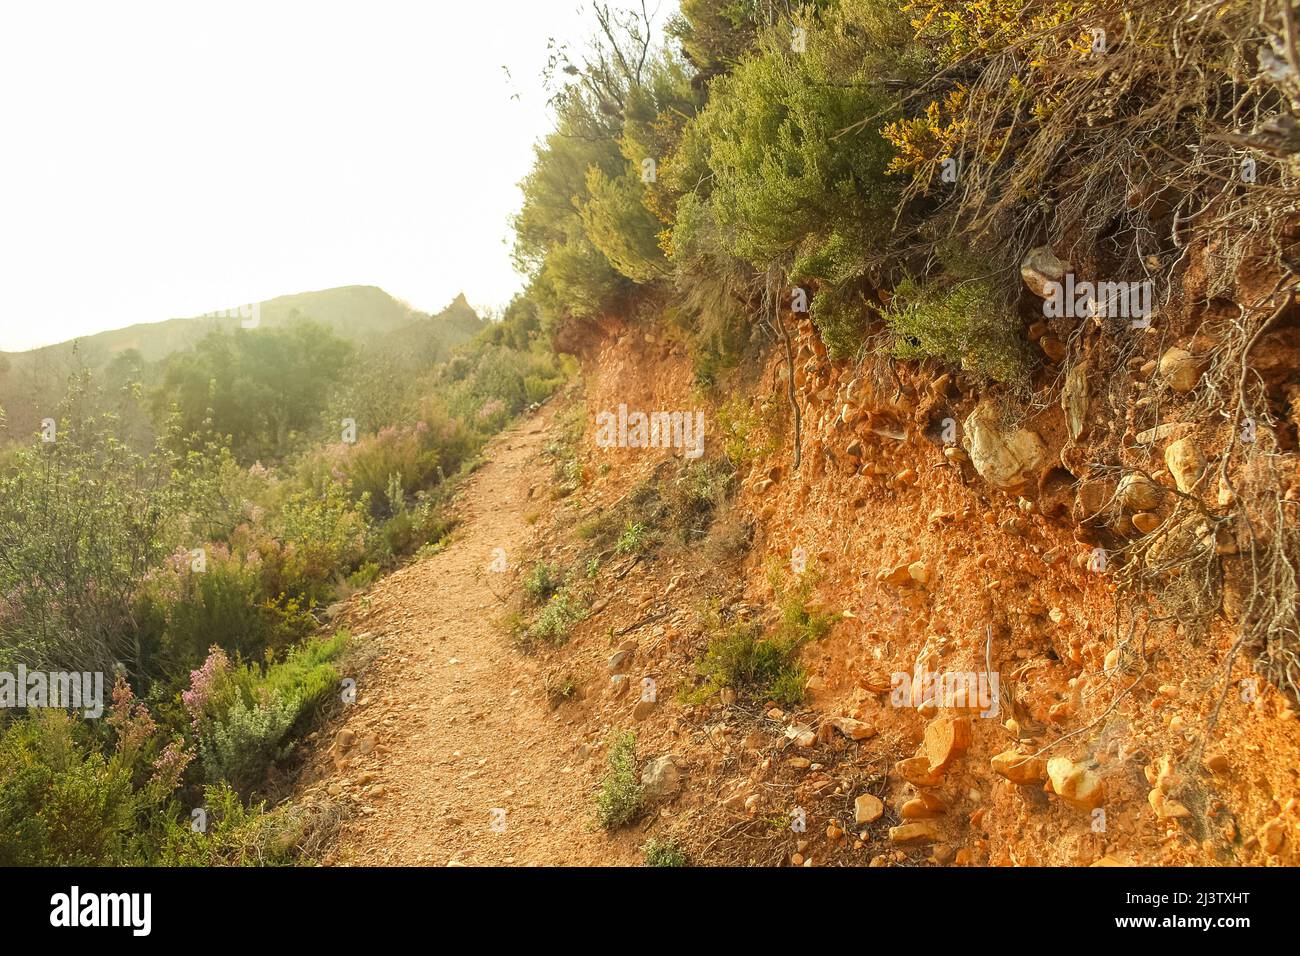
[362, 313]
[31, 382]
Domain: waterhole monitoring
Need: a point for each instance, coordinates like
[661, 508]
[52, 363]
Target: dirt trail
[450, 723]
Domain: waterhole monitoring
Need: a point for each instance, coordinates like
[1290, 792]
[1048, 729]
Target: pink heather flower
[201, 683]
[170, 764]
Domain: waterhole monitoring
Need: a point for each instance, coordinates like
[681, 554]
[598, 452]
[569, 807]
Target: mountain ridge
[336, 308]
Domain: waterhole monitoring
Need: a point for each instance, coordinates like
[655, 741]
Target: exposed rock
[946, 739]
[1272, 835]
[867, 809]
[917, 831]
[1075, 784]
[619, 660]
[1217, 763]
[916, 771]
[917, 809]
[1019, 768]
[897, 576]
[1074, 399]
[1163, 432]
[1165, 807]
[660, 779]
[1139, 493]
[1053, 348]
[1146, 522]
[1006, 459]
[1180, 369]
[1186, 463]
[1040, 269]
[853, 729]
[643, 709]
[1094, 496]
[919, 572]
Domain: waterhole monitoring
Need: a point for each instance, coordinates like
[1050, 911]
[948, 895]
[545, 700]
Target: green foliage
[714, 34]
[542, 582]
[181, 612]
[761, 668]
[621, 227]
[619, 799]
[244, 716]
[777, 170]
[62, 803]
[235, 835]
[387, 467]
[765, 666]
[322, 535]
[634, 539]
[750, 429]
[82, 520]
[262, 388]
[694, 496]
[966, 325]
[564, 609]
[665, 852]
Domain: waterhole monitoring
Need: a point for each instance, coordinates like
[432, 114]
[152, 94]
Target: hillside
[358, 312]
[32, 382]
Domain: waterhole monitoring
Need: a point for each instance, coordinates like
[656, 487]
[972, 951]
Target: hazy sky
[174, 158]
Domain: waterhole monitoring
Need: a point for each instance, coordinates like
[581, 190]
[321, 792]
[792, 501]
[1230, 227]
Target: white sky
[173, 158]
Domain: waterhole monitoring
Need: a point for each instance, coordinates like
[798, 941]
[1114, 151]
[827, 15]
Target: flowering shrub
[406, 452]
[242, 716]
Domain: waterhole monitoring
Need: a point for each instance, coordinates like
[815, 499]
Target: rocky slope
[955, 533]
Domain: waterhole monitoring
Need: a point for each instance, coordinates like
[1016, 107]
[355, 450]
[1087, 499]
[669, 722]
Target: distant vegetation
[184, 533]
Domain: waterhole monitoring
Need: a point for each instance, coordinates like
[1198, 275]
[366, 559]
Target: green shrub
[247, 740]
[324, 537]
[235, 835]
[243, 716]
[619, 798]
[62, 802]
[665, 852]
[694, 496]
[386, 467]
[561, 612]
[182, 612]
[83, 519]
[762, 668]
[966, 325]
[542, 582]
[750, 429]
[634, 539]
